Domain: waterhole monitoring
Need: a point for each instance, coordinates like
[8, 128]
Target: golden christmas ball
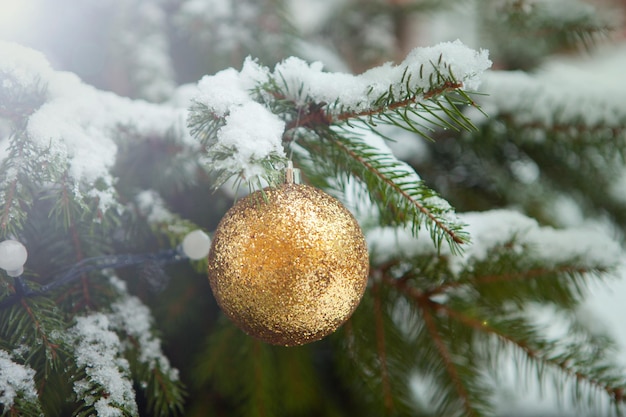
[288, 265]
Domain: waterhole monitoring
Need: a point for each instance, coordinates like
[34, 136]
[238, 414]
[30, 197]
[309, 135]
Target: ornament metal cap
[292, 175]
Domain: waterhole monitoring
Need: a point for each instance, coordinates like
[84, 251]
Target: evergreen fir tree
[460, 172]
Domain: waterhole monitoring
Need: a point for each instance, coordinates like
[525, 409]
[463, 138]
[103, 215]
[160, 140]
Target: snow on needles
[98, 351]
[133, 317]
[417, 73]
[15, 380]
[566, 94]
[251, 133]
[78, 123]
[499, 227]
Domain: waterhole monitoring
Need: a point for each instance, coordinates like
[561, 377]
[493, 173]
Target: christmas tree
[476, 145]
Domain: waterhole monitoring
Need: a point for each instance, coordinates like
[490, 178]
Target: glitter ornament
[289, 264]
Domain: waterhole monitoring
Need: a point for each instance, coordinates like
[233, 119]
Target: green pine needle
[392, 187]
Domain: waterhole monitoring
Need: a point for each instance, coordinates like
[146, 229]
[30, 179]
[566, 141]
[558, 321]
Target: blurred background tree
[551, 148]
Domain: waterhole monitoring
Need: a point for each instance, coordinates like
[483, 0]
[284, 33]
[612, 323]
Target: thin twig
[381, 348]
[426, 307]
[423, 300]
[446, 87]
[78, 250]
[616, 392]
[51, 346]
[514, 276]
[566, 127]
[316, 116]
[4, 220]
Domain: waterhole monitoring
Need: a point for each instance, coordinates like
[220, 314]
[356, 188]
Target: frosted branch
[78, 125]
[242, 116]
[15, 381]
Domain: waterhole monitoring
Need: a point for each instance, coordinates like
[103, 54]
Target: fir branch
[50, 347]
[393, 187]
[160, 383]
[381, 350]
[470, 401]
[8, 200]
[582, 24]
[429, 212]
[575, 131]
[315, 114]
[296, 95]
[526, 278]
[541, 272]
[32, 322]
[224, 159]
[512, 24]
[419, 112]
[85, 234]
[573, 363]
[204, 123]
[437, 108]
[426, 308]
[541, 115]
[102, 376]
[565, 364]
[17, 389]
[32, 330]
[164, 396]
[25, 169]
[22, 408]
[360, 360]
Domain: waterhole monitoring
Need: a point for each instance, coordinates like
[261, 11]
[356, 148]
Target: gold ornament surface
[288, 265]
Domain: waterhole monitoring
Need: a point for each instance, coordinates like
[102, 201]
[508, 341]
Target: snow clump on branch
[248, 133]
[15, 380]
[494, 228]
[423, 70]
[74, 124]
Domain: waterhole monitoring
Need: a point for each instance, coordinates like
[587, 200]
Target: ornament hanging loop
[292, 175]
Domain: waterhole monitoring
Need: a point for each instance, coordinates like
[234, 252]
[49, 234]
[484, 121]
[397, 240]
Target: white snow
[99, 351]
[131, 316]
[223, 91]
[104, 409]
[21, 67]
[152, 206]
[359, 92]
[251, 133]
[563, 93]
[80, 124]
[15, 380]
[498, 227]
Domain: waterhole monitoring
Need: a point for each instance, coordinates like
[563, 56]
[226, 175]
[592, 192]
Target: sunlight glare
[16, 17]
